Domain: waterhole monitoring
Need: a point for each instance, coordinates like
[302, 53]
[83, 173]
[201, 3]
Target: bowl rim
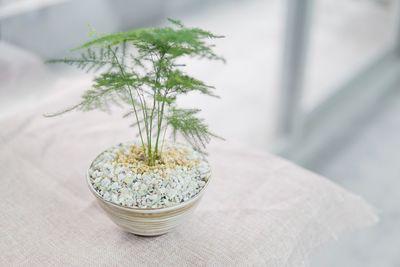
[143, 210]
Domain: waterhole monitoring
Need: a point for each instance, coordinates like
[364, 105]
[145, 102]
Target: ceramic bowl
[148, 221]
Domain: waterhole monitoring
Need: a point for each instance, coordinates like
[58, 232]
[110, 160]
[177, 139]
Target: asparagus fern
[139, 70]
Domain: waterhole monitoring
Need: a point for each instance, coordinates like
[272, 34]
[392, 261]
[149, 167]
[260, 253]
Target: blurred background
[317, 82]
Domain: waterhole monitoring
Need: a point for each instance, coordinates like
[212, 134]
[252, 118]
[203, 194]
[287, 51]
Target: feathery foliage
[139, 70]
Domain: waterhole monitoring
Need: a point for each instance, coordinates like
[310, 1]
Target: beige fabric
[258, 210]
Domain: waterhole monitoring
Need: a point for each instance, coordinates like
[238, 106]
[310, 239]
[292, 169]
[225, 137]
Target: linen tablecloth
[258, 210]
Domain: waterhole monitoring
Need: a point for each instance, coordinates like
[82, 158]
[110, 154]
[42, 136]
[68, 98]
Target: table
[258, 210]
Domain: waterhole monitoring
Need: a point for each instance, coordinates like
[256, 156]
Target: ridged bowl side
[145, 223]
[149, 221]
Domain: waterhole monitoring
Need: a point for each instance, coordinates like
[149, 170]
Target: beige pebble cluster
[171, 157]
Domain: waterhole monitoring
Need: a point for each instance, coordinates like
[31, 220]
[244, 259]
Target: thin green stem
[163, 139]
[156, 92]
[158, 128]
[160, 119]
[131, 98]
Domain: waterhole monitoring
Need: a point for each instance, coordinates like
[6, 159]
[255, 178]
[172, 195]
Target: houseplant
[147, 186]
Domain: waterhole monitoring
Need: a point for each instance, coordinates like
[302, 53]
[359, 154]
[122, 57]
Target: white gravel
[120, 185]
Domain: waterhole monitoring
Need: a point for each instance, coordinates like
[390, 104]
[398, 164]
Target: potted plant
[149, 185]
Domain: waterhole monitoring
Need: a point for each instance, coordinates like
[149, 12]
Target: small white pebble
[114, 186]
[107, 196]
[128, 180]
[105, 182]
[114, 198]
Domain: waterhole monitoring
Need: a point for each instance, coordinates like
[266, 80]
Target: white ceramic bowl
[148, 221]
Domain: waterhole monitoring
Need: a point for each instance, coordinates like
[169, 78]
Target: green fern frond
[192, 128]
[88, 60]
[183, 84]
[139, 70]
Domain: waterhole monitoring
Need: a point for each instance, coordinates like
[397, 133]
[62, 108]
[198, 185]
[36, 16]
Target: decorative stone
[120, 176]
[128, 180]
[114, 186]
[105, 182]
